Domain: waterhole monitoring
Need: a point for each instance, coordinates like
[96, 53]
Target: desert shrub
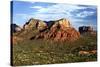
[31, 52]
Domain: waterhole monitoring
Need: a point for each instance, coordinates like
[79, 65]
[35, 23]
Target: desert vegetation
[35, 51]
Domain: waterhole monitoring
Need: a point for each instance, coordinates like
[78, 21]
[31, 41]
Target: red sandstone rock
[61, 31]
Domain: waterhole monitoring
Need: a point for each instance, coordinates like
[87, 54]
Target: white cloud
[59, 9]
[47, 17]
[85, 14]
[62, 8]
[37, 7]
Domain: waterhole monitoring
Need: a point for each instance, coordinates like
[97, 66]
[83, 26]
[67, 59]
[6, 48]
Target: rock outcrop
[59, 30]
[61, 24]
[35, 24]
[15, 28]
[87, 30]
[84, 29]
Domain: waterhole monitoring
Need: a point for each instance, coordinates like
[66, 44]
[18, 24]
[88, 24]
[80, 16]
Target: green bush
[32, 52]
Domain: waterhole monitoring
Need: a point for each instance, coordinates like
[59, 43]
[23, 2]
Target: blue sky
[78, 15]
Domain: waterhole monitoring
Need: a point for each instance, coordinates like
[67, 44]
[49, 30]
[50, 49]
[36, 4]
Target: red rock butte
[61, 30]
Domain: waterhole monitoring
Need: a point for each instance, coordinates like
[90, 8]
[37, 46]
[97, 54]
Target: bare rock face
[70, 34]
[31, 24]
[84, 29]
[15, 28]
[60, 30]
[35, 23]
[62, 23]
[87, 29]
[42, 25]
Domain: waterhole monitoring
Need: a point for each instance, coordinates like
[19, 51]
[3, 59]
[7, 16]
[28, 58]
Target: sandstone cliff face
[42, 25]
[70, 34]
[35, 24]
[62, 23]
[61, 30]
[31, 24]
